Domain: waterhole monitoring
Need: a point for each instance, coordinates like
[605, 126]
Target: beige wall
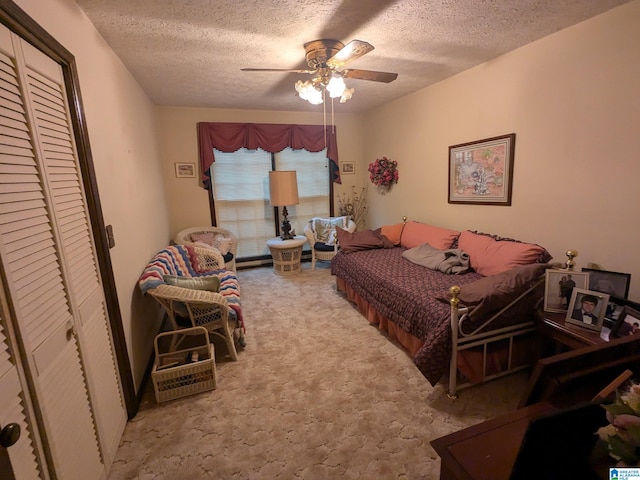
[188, 202]
[123, 139]
[572, 100]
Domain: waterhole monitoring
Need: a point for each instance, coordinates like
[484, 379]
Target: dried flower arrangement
[383, 172]
[354, 204]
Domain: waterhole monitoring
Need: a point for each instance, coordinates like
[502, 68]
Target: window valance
[229, 137]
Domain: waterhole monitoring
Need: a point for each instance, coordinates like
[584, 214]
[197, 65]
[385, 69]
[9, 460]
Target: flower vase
[383, 189]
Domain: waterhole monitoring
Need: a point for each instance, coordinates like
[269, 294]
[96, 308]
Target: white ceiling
[190, 52]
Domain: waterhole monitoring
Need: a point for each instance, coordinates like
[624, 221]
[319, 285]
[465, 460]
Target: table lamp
[283, 191]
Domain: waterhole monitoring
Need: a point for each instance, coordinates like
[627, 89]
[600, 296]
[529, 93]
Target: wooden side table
[486, 451]
[286, 254]
[572, 336]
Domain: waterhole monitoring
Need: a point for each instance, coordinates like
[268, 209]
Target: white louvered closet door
[49, 260]
[14, 409]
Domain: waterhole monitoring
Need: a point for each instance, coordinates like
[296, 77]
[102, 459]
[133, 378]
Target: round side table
[286, 254]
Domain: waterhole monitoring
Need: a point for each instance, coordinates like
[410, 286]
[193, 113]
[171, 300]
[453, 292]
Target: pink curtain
[229, 137]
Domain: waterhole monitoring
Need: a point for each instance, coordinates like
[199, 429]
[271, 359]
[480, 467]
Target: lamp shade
[283, 188]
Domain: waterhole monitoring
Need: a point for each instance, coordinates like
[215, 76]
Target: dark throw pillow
[490, 294]
[365, 240]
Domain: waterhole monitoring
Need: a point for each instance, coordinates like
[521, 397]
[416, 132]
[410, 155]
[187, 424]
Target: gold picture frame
[481, 172]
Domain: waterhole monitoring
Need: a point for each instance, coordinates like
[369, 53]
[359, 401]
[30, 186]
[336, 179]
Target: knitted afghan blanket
[181, 260]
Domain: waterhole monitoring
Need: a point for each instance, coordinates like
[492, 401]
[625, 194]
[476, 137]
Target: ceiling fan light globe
[347, 94]
[307, 91]
[336, 86]
[315, 100]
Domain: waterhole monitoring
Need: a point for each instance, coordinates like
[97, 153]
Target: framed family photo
[628, 323]
[615, 284]
[559, 285]
[481, 172]
[587, 308]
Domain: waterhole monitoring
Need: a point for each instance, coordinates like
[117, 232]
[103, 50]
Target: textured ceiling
[190, 52]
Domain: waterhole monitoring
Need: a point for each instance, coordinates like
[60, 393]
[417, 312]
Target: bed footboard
[479, 337]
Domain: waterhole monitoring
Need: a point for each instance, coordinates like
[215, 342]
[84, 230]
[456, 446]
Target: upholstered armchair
[220, 238]
[321, 235]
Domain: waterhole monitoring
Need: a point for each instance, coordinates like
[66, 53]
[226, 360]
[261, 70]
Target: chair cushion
[323, 247]
[212, 284]
[322, 227]
[216, 240]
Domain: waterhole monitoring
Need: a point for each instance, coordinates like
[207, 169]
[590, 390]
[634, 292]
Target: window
[240, 189]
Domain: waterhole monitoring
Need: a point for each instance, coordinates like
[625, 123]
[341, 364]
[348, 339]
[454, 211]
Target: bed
[476, 331]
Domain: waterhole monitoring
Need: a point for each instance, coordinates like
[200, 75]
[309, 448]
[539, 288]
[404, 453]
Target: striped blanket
[182, 260]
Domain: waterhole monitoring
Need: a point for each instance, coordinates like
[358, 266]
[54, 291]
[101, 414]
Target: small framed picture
[185, 170]
[587, 308]
[348, 168]
[559, 286]
[628, 323]
[615, 284]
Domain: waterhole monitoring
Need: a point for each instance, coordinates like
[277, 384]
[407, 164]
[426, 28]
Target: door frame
[20, 23]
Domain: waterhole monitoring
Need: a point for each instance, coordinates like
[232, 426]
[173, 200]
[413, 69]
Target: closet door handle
[9, 434]
[71, 330]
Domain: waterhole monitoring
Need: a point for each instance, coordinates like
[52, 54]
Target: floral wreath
[383, 172]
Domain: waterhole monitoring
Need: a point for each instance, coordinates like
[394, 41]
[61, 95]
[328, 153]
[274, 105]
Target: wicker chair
[319, 250]
[184, 238]
[205, 309]
[187, 307]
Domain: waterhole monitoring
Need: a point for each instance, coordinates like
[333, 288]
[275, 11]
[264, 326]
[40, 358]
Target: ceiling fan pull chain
[324, 117]
[333, 121]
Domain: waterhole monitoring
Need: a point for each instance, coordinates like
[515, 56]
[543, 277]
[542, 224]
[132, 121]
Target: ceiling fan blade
[276, 70]
[352, 50]
[384, 77]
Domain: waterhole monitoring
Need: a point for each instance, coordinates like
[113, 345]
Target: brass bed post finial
[571, 254]
[454, 291]
[404, 219]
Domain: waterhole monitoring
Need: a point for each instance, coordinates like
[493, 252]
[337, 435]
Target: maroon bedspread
[405, 293]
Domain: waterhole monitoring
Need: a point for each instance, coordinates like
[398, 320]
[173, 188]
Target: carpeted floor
[318, 393]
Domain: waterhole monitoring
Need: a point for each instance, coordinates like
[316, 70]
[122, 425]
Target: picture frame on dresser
[628, 323]
[559, 285]
[587, 308]
[616, 284]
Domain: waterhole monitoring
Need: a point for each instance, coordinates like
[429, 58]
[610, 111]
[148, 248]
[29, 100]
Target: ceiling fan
[325, 59]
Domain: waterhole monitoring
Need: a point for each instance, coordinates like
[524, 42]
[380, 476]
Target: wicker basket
[184, 364]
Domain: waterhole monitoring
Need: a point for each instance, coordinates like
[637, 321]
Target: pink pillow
[393, 232]
[416, 233]
[489, 255]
